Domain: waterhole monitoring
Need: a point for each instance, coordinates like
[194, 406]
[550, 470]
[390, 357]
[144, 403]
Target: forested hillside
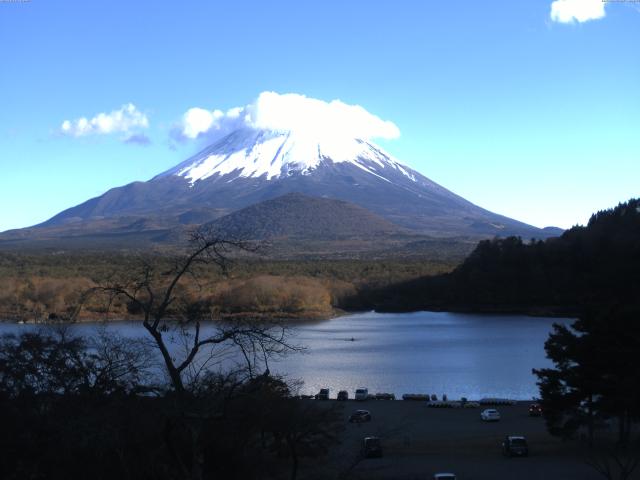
[586, 265]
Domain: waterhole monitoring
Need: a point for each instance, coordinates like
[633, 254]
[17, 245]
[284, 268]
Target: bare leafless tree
[164, 304]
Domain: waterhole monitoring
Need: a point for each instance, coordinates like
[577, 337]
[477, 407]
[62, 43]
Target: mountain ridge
[249, 166]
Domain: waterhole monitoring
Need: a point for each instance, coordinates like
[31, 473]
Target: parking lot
[419, 441]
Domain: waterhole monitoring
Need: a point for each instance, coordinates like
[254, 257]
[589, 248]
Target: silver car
[490, 415]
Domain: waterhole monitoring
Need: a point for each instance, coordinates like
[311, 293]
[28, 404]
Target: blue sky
[527, 114]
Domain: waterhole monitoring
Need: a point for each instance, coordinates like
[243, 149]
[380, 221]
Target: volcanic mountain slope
[249, 166]
[301, 217]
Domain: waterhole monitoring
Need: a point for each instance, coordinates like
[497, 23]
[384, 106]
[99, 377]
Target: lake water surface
[456, 354]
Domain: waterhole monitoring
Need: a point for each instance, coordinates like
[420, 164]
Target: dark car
[343, 395]
[515, 446]
[323, 394]
[535, 410]
[371, 447]
[360, 416]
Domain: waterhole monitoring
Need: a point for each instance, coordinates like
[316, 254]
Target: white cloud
[198, 120]
[569, 11]
[290, 111]
[124, 120]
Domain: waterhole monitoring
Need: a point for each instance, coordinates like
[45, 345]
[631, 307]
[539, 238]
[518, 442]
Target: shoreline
[318, 317]
[289, 318]
[528, 311]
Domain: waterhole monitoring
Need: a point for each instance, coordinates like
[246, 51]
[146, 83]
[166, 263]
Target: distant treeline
[558, 276]
[50, 285]
[585, 266]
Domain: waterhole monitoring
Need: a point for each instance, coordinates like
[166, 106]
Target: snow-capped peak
[276, 154]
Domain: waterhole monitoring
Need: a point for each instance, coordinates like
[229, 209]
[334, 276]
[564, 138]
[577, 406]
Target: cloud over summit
[291, 112]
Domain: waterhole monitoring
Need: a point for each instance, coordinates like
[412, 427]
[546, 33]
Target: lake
[460, 355]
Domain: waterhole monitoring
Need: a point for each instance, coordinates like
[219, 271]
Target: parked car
[360, 416]
[371, 447]
[323, 394]
[362, 394]
[490, 415]
[535, 410]
[385, 396]
[444, 476]
[343, 395]
[515, 446]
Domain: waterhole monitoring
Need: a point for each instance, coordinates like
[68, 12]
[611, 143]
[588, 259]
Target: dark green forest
[587, 265]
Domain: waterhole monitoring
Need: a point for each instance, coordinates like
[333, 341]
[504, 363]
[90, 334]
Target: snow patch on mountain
[252, 153]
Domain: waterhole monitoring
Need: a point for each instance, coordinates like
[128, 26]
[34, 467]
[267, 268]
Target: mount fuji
[252, 165]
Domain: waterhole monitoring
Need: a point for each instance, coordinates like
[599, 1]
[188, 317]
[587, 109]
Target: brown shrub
[274, 294]
[35, 298]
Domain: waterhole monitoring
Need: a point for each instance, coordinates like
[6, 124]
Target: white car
[490, 415]
[362, 394]
[444, 476]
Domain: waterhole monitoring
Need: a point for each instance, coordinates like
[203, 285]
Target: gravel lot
[419, 441]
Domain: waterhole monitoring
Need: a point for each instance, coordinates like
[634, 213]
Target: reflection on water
[424, 352]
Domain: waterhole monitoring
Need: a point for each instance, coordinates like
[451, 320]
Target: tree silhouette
[167, 308]
[595, 378]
